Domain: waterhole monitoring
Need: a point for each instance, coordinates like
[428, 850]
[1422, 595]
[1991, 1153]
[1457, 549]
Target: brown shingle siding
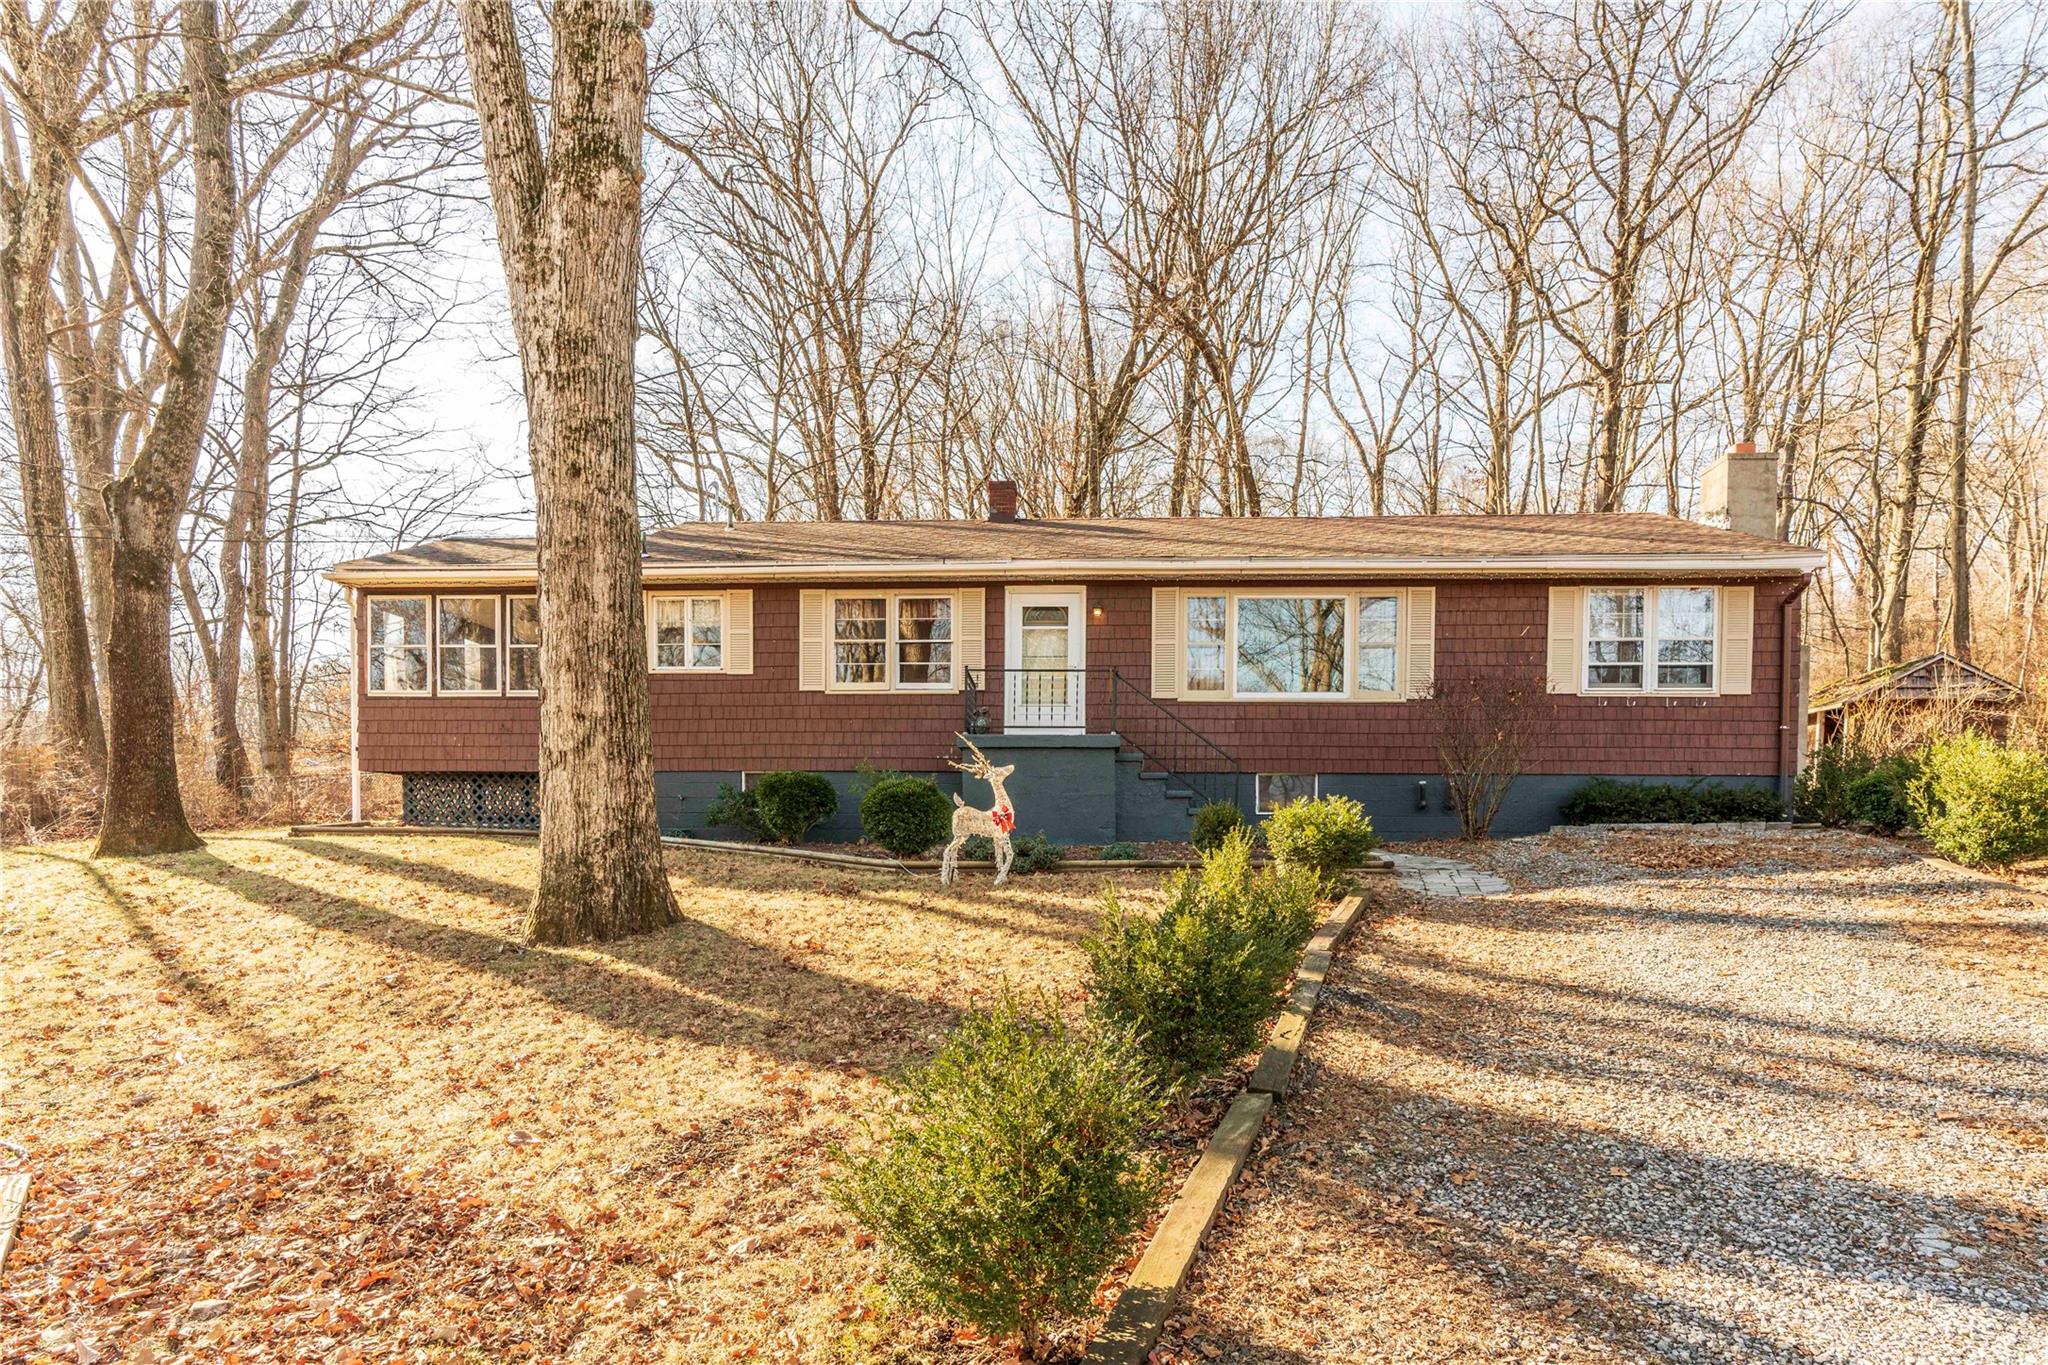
[760, 721]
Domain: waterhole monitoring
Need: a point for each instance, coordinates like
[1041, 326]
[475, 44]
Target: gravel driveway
[1700, 1096]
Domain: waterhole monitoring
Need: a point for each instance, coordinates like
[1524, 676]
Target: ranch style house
[1131, 668]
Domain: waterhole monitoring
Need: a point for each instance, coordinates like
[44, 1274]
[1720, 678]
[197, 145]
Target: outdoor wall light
[1422, 796]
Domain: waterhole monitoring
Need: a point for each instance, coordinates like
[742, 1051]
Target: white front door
[1044, 656]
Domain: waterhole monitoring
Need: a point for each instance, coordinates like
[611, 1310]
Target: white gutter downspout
[355, 664]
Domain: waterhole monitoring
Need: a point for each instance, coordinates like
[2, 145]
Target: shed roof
[1936, 676]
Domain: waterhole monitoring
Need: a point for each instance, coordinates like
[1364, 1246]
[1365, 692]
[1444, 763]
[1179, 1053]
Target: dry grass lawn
[311, 1099]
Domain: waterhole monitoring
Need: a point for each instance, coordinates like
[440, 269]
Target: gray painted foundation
[1083, 789]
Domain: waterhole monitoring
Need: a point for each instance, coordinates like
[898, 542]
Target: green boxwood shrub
[1821, 791]
[1122, 851]
[1605, 801]
[1213, 824]
[1326, 835]
[735, 809]
[1198, 982]
[1011, 1183]
[1980, 802]
[793, 804]
[1033, 852]
[906, 815]
[1879, 798]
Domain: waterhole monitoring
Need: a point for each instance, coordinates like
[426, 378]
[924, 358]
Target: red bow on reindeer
[1004, 818]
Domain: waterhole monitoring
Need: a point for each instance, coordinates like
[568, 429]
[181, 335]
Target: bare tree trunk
[142, 811]
[1966, 326]
[569, 231]
[31, 218]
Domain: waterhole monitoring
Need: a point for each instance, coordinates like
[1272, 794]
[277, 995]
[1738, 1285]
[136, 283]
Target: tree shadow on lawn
[1003, 909]
[690, 981]
[191, 982]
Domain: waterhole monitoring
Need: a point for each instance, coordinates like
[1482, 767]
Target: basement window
[1280, 789]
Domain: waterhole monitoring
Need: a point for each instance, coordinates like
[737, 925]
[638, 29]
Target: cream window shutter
[973, 636]
[739, 631]
[1420, 639]
[810, 642]
[1166, 642]
[1738, 639]
[1564, 653]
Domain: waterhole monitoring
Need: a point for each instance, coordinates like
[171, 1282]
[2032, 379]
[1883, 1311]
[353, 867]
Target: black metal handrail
[1188, 757]
[1059, 698]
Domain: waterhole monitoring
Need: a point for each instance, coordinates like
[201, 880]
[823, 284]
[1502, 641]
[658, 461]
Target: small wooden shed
[1933, 680]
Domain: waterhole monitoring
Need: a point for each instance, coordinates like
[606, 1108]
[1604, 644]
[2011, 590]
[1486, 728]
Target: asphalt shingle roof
[1248, 540]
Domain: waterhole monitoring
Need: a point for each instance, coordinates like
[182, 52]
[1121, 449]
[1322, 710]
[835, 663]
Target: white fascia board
[1504, 566]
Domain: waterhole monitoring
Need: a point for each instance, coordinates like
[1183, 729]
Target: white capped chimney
[1739, 491]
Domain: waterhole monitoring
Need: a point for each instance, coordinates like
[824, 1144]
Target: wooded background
[1201, 257]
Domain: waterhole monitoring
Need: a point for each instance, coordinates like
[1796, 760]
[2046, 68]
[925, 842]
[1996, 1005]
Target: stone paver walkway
[1443, 876]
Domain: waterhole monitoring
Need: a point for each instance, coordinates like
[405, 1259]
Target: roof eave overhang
[1792, 561]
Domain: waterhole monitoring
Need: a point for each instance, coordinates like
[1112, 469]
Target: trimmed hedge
[793, 804]
[906, 815]
[1605, 801]
[1327, 835]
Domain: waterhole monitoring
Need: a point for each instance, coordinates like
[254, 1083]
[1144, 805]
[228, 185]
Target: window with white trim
[522, 644]
[860, 641]
[466, 643]
[1614, 637]
[688, 632]
[1289, 646]
[397, 646]
[886, 641]
[1652, 639]
[1686, 628]
[1379, 642]
[924, 642]
[1275, 790]
[1299, 644]
[1208, 644]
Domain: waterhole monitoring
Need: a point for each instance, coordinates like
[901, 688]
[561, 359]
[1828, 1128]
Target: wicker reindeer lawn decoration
[968, 821]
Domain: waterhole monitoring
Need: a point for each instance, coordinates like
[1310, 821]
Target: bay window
[466, 643]
[689, 633]
[397, 645]
[1651, 639]
[522, 644]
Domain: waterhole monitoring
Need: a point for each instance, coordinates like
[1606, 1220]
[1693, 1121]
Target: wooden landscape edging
[1139, 1316]
[1377, 868]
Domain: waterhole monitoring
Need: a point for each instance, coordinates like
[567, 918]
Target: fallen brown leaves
[311, 1100]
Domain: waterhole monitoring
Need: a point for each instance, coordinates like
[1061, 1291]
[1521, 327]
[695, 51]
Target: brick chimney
[1002, 500]
[1740, 491]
